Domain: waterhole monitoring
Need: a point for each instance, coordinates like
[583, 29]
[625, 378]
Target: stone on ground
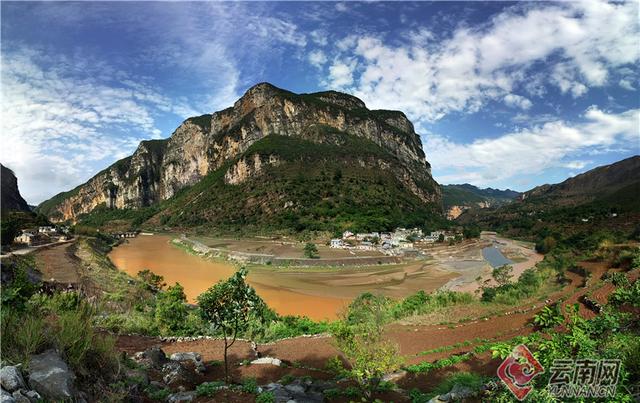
[50, 376]
[11, 378]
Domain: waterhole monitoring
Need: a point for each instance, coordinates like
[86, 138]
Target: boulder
[152, 357]
[50, 376]
[5, 397]
[182, 396]
[267, 360]
[175, 374]
[20, 397]
[196, 358]
[11, 378]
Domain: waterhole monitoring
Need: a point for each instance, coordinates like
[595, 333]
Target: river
[196, 274]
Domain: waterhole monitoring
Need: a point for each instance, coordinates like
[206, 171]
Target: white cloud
[317, 58]
[54, 127]
[575, 164]
[578, 43]
[627, 84]
[341, 7]
[341, 74]
[530, 151]
[517, 101]
[319, 37]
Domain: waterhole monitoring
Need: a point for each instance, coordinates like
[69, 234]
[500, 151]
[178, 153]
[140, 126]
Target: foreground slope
[273, 159]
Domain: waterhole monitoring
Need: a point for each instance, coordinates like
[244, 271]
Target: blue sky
[503, 94]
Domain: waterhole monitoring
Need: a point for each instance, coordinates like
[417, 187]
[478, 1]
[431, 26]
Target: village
[400, 241]
[42, 235]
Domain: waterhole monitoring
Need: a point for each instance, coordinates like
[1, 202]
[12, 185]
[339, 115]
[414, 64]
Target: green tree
[230, 306]
[441, 238]
[311, 251]
[503, 274]
[359, 336]
[153, 282]
[171, 310]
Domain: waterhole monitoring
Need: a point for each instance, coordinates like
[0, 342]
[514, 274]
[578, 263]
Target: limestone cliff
[158, 169]
[11, 198]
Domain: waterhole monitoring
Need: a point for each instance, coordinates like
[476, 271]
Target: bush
[250, 385]
[359, 336]
[23, 334]
[550, 316]
[209, 388]
[171, 310]
[266, 397]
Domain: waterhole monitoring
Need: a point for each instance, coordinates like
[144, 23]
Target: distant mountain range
[458, 198]
[604, 197]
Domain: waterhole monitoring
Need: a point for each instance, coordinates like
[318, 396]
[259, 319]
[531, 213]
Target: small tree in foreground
[230, 306]
[359, 336]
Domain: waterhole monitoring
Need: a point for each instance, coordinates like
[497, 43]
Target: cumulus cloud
[341, 74]
[517, 101]
[533, 150]
[580, 43]
[317, 58]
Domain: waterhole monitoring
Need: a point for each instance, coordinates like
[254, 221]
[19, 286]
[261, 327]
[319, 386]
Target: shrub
[266, 397]
[311, 251]
[250, 385]
[503, 274]
[209, 388]
[550, 316]
[23, 334]
[171, 310]
[359, 336]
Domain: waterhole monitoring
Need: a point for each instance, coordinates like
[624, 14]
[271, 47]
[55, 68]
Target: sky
[506, 95]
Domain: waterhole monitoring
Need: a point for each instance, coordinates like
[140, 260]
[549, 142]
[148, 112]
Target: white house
[47, 229]
[26, 238]
[347, 235]
[337, 243]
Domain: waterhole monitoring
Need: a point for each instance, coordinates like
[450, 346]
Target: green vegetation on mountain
[321, 187]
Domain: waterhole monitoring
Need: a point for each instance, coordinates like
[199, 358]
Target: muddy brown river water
[196, 274]
[319, 293]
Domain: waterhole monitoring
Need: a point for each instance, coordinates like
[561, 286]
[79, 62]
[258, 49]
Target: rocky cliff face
[158, 169]
[11, 198]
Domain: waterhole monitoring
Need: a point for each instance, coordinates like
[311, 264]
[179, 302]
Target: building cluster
[400, 239]
[42, 235]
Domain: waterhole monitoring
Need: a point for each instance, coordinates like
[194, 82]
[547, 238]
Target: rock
[5, 397]
[33, 396]
[177, 375]
[11, 378]
[295, 388]
[182, 396]
[51, 377]
[393, 377]
[267, 360]
[152, 357]
[19, 397]
[192, 357]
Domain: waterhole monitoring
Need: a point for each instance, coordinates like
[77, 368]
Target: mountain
[11, 200]
[274, 159]
[604, 198]
[468, 195]
[458, 198]
[598, 183]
